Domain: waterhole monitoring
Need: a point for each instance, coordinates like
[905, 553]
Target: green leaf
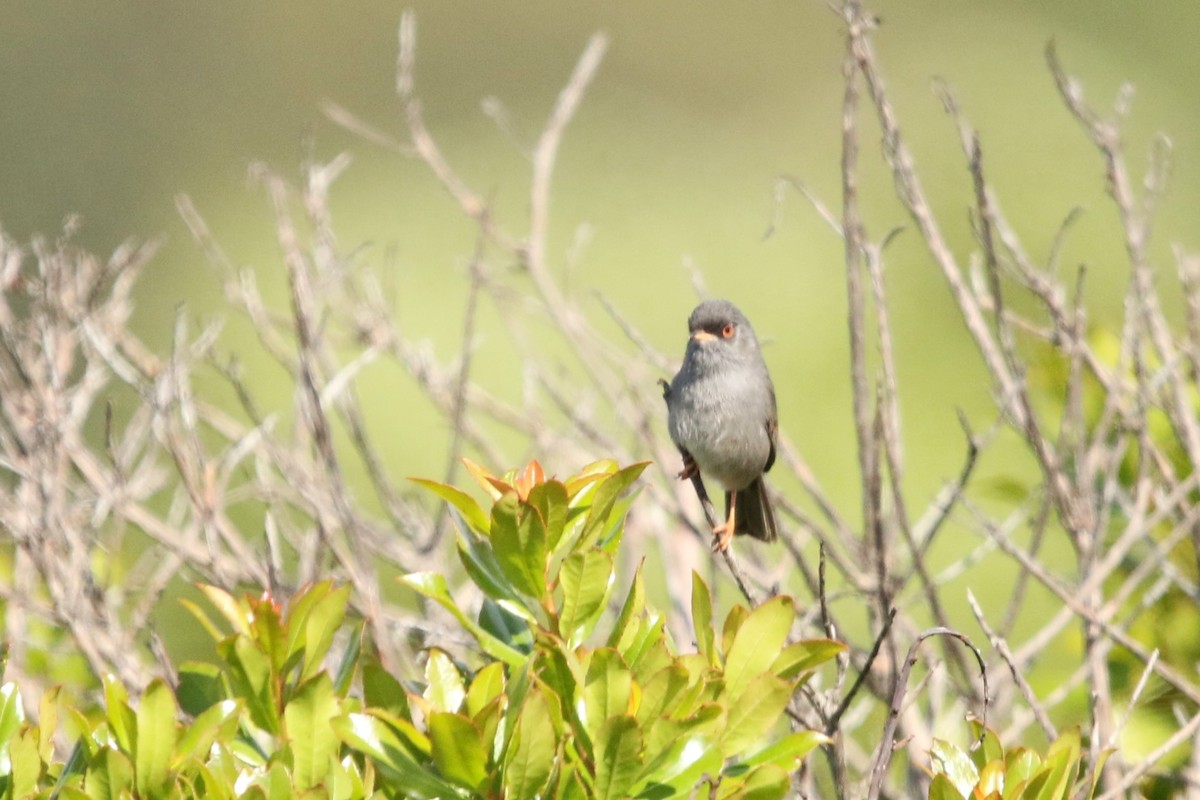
[757, 643]
[484, 569]
[550, 499]
[519, 541]
[434, 587]
[598, 522]
[12, 714]
[606, 690]
[47, 723]
[586, 579]
[486, 686]
[625, 627]
[989, 748]
[200, 687]
[313, 743]
[942, 788]
[499, 621]
[801, 657]
[156, 735]
[320, 625]
[121, 719]
[236, 614]
[252, 680]
[382, 690]
[618, 757]
[109, 776]
[471, 511]
[702, 619]
[444, 684]
[660, 692]
[217, 723]
[531, 753]
[1020, 765]
[733, 622]
[755, 712]
[768, 782]
[26, 764]
[372, 737]
[458, 749]
[675, 772]
[948, 760]
[590, 474]
[1061, 764]
[266, 629]
[788, 751]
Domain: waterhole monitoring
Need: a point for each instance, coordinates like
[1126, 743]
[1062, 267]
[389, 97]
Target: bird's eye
[727, 331]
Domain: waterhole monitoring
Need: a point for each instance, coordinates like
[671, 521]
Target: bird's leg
[723, 533]
[690, 468]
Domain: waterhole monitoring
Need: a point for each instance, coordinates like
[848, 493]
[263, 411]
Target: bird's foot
[722, 536]
[690, 468]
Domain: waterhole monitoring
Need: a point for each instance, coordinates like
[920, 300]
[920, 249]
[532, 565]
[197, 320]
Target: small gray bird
[721, 415]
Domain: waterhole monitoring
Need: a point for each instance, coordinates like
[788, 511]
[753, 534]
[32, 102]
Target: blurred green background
[109, 110]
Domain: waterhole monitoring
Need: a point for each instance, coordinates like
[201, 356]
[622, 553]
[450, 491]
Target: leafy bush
[540, 712]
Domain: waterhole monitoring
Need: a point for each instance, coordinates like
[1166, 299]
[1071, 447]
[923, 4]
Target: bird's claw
[722, 536]
[690, 469]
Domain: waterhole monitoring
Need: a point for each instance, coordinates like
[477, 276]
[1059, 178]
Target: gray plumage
[722, 415]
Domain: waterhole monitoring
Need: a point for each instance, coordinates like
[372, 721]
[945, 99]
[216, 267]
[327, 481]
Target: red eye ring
[727, 331]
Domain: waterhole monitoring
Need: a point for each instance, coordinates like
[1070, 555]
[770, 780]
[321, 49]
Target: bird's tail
[754, 513]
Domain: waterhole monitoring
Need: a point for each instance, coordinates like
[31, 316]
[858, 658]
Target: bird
[721, 414]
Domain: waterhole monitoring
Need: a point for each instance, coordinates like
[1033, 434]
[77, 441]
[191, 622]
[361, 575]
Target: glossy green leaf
[266, 629]
[660, 692]
[758, 642]
[989, 748]
[382, 690]
[590, 475]
[156, 733]
[236, 614]
[121, 719]
[510, 628]
[702, 619]
[12, 714]
[252, 680]
[486, 686]
[598, 522]
[320, 625]
[313, 743]
[606, 690]
[200, 687]
[550, 499]
[733, 622]
[26, 765]
[755, 711]
[943, 788]
[618, 757]
[471, 511]
[532, 751]
[586, 578]
[801, 657]
[372, 737]
[1020, 765]
[433, 586]
[768, 782]
[787, 752]
[217, 722]
[625, 628]
[443, 682]
[519, 540]
[109, 776]
[484, 569]
[47, 723]
[956, 765]
[458, 750]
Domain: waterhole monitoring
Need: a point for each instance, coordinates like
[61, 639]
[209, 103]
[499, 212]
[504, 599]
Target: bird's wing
[772, 426]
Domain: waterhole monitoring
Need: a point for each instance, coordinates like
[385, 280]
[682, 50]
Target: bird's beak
[700, 337]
